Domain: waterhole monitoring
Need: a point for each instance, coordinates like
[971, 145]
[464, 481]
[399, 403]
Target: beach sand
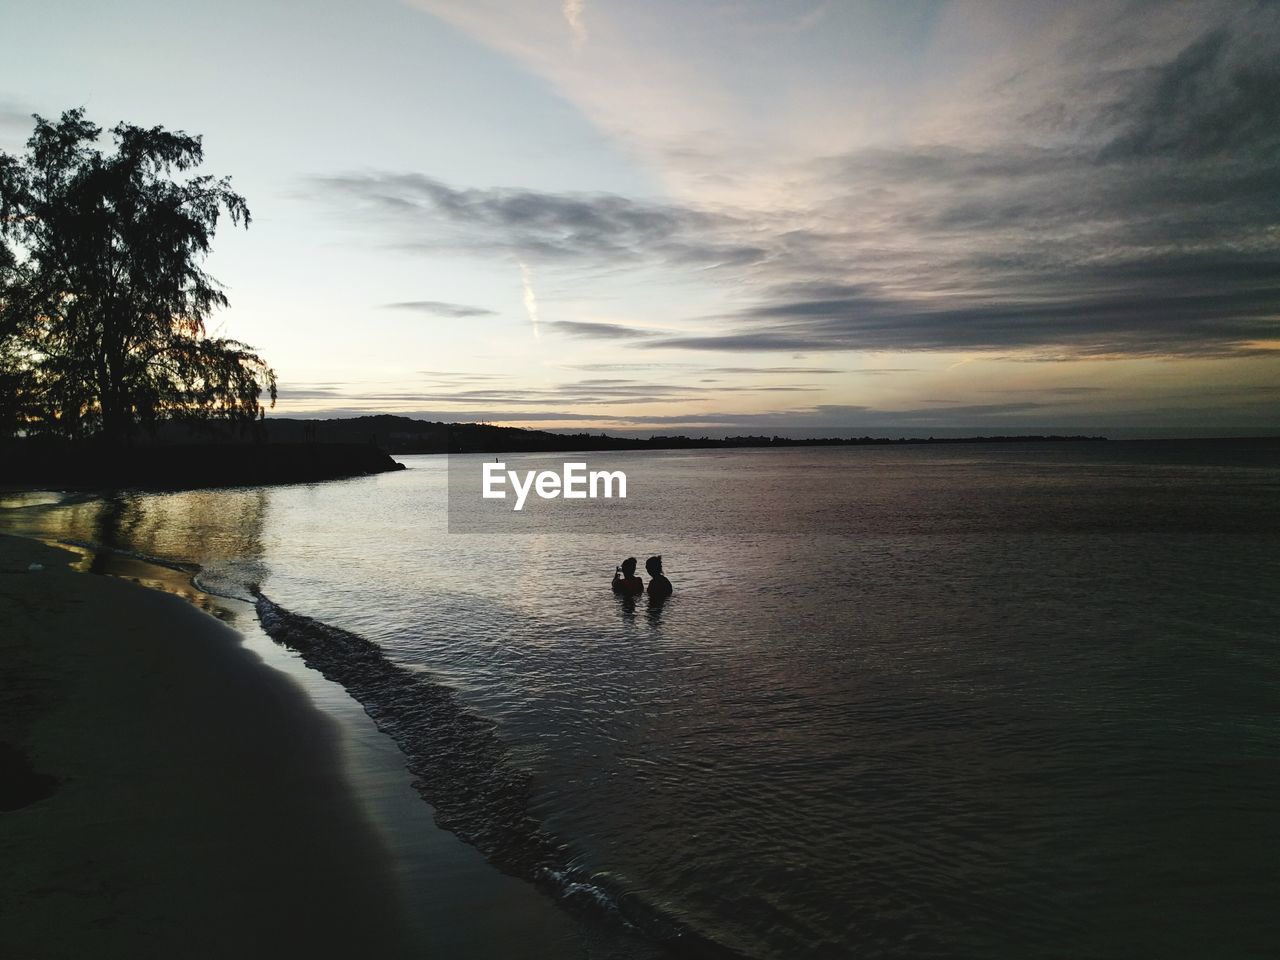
[173, 796]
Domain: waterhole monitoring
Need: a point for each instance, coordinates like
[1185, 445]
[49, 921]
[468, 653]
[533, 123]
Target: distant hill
[288, 450]
[406, 435]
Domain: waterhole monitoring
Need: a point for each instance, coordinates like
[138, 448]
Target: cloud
[421, 213]
[806, 370]
[631, 403]
[465, 393]
[598, 331]
[455, 375]
[15, 116]
[660, 365]
[1064, 391]
[439, 308]
[16, 125]
[446, 415]
[611, 367]
[1216, 98]
[1091, 181]
[1207, 304]
[573, 15]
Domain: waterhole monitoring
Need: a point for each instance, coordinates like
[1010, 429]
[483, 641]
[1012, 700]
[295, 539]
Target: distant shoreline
[63, 465]
[762, 442]
[311, 451]
[397, 434]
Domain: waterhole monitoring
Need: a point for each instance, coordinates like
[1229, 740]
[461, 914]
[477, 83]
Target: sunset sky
[721, 215]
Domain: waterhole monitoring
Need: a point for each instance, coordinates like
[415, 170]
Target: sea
[959, 700]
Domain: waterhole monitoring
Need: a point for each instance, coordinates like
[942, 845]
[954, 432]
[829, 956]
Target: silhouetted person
[625, 580]
[659, 586]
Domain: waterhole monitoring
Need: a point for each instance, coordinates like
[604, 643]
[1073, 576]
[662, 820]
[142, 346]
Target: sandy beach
[197, 806]
[166, 792]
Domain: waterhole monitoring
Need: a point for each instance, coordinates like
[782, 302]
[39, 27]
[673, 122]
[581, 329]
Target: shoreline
[41, 463]
[209, 794]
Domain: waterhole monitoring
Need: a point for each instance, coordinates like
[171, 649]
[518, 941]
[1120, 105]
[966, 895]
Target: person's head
[654, 566]
[628, 567]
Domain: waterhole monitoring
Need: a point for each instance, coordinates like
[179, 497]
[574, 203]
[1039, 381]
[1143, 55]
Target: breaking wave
[463, 770]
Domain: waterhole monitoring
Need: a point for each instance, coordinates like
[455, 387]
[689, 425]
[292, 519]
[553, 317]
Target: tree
[103, 300]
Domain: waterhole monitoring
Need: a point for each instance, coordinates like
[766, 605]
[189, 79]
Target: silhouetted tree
[15, 374]
[103, 300]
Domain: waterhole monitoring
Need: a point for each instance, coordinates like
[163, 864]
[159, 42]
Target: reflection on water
[215, 534]
[921, 702]
[16, 499]
[175, 580]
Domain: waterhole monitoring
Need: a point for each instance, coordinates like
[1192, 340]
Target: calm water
[963, 701]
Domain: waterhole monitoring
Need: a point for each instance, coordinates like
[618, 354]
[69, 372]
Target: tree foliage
[103, 299]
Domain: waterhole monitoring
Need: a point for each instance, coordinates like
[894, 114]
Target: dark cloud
[311, 391]
[472, 393]
[804, 370]
[627, 402]
[1217, 98]
[830, 416]
[438, 308]
[456, 375]
[426, 213]
[15, 117]
[608, 367]
[448, 384]
[569, 394]
[1206, 305]
[481, 415]
[763, 341]
[1063, 391]
[1132, 211]
[613, 367]
[597, 331]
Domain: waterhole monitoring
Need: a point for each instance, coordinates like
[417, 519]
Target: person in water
[659, 586]
[625, 580]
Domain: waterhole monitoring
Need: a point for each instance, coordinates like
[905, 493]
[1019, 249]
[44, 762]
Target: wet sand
[173, 796]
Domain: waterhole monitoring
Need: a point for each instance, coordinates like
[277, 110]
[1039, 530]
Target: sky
[721, 216]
